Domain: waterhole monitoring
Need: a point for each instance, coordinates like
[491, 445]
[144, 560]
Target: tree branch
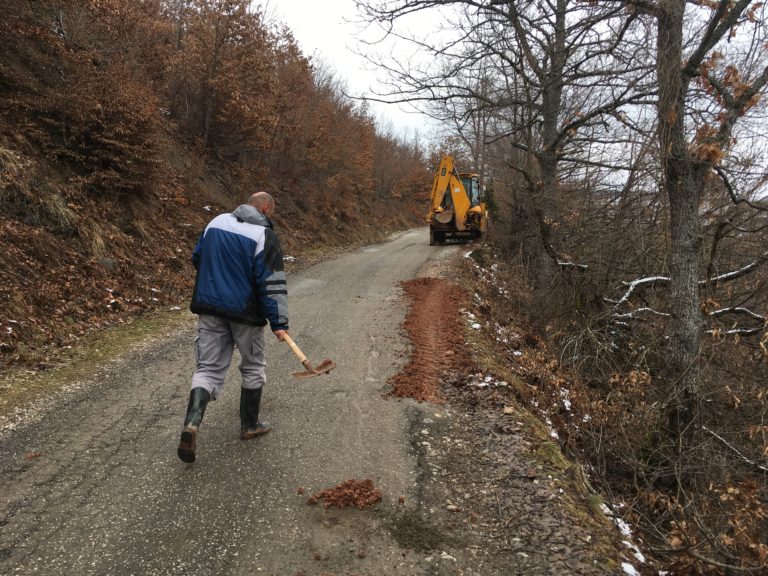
[727, 277]
[729, 188]
[760, 467]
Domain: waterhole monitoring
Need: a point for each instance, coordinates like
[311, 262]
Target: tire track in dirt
[435, 329]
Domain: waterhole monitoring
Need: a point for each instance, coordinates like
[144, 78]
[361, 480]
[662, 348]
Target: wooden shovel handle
[296, 350]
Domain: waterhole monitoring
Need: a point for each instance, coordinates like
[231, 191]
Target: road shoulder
[497, 496]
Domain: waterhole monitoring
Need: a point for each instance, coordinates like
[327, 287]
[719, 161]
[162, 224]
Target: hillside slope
[83, 266]
[104, 187]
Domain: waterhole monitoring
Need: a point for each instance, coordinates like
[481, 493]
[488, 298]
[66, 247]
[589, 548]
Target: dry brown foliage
[125, 126]
[703, 510]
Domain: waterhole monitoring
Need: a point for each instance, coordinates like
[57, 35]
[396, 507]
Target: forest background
[623, 145]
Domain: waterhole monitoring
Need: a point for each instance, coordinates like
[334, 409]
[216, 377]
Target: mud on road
[491, 484]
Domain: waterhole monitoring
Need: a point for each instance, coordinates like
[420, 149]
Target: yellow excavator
[457, 210]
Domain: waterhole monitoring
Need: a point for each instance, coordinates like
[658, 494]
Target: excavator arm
[449, 199]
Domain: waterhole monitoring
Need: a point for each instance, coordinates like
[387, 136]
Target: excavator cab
[471, 184]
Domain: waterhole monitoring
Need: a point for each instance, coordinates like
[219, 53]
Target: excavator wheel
[436, 237]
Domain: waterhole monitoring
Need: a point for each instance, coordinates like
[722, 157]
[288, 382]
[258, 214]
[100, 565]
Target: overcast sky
[321, 30]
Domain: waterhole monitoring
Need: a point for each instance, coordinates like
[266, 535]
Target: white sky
[320, 28]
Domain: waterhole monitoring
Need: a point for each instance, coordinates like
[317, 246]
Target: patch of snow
[517, 353]
[629, 569]
[635, 550]
[487, 381]
[289, 258]
[207, 208]
[552, 431]
[476, 326]
[623, 526]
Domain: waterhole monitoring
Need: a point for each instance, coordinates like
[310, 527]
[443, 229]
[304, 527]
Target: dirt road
[93, 486]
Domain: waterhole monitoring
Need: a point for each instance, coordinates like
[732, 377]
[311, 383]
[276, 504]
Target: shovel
[325, 366]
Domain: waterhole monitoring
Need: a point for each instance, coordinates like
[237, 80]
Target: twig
[732, 192]
[735, 331]
[723, 565]
[737, 273]
[563, 264]
[738, 310]
[634, 312]
[651, 280]
[760, 467]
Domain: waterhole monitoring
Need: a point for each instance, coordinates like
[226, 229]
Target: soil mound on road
[357, 493]
[434, 325]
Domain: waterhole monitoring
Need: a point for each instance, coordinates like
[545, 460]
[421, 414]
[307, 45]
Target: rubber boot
[250, 427]
[198, 400]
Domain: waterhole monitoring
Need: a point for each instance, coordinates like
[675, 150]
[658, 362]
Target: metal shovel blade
[323, 368]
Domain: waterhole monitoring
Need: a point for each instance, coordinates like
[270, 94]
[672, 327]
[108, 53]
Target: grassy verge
[21, 386]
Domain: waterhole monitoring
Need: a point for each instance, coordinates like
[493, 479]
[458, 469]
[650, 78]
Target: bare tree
[543, 76]
[695, 129]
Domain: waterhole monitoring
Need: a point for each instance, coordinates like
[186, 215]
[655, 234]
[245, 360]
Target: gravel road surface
[93, 485]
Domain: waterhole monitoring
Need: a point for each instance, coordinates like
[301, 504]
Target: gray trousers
[214, 343]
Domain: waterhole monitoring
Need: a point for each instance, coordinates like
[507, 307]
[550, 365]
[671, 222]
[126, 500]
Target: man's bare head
[263, 202]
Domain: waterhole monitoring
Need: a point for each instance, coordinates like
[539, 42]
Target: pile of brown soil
[434, 326]
[357, 493]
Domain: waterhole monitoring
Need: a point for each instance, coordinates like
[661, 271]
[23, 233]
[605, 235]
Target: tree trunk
[682, 180]
[549, 155]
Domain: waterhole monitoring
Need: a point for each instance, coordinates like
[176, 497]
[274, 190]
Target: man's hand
[280, 334]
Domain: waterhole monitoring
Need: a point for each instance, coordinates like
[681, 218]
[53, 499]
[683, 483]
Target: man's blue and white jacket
[240, 273]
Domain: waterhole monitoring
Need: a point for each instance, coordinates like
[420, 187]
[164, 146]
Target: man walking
[240, 286]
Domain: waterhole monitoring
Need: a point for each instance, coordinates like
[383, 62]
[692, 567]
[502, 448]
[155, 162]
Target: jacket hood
[248, 213]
